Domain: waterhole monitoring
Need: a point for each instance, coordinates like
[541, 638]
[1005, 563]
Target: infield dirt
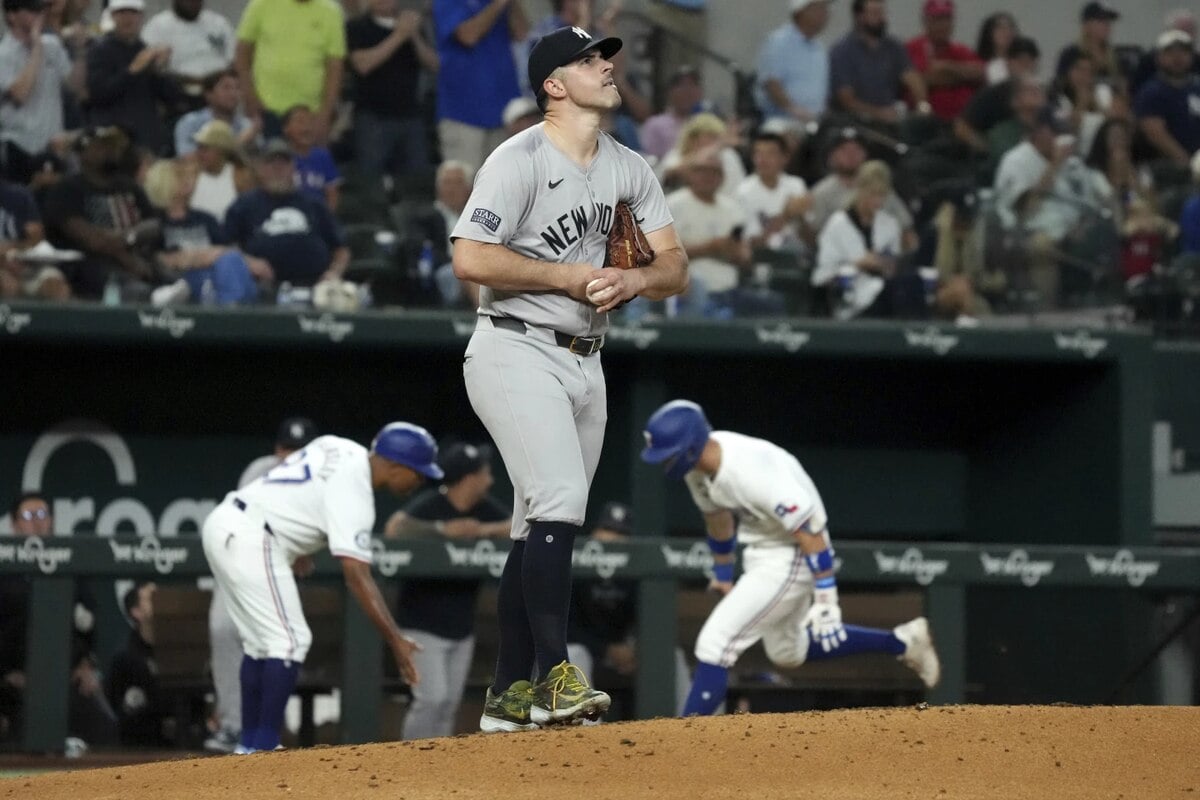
[953, 752]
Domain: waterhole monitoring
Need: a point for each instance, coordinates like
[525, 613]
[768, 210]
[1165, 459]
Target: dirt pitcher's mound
[953, 752]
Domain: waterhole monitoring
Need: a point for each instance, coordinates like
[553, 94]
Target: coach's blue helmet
[410, 445]
[675, 437]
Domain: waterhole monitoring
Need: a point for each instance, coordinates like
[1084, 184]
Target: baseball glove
[627, 245]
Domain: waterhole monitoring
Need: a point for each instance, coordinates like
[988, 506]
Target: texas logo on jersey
[783, 509]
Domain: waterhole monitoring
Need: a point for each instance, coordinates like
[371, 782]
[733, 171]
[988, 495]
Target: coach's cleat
[919, 653]
[508, 711]
[565, 697]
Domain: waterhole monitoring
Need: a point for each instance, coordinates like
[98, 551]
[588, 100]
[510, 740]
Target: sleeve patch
[486, 218]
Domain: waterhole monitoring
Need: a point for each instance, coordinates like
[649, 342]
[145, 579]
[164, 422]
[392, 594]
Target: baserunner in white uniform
[533, 235]
[752, 491]
[322, 495]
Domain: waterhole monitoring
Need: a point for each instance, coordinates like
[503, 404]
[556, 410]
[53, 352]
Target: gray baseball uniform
[545, 403]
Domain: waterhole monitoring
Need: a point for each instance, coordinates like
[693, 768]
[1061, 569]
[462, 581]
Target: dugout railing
[944, 572]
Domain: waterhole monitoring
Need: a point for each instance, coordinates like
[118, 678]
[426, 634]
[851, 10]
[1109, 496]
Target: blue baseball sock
[514, 657]
[546, 578]
[708, 690]
[251, 679]
[859, 640]
[278, 681]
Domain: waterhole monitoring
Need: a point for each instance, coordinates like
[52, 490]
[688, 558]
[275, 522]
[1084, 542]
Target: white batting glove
[824, 618]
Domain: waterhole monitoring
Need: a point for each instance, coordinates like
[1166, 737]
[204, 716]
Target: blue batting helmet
[675, 436]
[410, 445]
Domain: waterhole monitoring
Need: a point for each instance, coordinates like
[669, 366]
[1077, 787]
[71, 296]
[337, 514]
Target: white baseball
[598, 297]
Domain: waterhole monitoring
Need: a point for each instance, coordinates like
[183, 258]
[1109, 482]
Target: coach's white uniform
[771, 497]
[316, 496]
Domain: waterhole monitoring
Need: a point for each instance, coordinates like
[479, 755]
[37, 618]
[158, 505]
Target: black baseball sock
[514, 659]
[546, 576]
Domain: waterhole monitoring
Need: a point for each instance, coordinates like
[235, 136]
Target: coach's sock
[514, 657]
[250, 676]
[859, 640]
[709, 685]
[546, 577]
[279, 679]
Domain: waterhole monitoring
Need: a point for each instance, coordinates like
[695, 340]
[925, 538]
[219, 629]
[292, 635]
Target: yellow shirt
[292, 41]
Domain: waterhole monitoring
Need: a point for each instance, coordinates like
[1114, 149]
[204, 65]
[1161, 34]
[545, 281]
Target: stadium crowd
[308, 153]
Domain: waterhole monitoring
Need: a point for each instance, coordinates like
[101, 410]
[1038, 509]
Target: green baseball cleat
[565, 697]
[508, 711]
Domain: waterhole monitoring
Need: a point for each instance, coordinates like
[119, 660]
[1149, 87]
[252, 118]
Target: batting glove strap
[723, 572]
[722, 547]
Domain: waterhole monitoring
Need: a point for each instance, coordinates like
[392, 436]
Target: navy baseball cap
[295, 432]
[1099, 11]
[560, 48]
[617, 517]
[460, 460]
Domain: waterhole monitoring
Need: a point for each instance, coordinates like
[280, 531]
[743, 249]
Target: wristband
[820, 562]
[825, 591]
[723, 573]
[722, 547]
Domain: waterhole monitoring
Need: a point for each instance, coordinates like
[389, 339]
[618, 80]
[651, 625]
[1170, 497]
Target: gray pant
[226, 647]
[546, 409]
[443, 665]
[581, 657]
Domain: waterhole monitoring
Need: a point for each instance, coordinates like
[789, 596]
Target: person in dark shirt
[89, 716]
[440, 614]
[993, 105]
[1168, 106]
[126, 80]
[132, 684]
[386, 53]
[293, 233]
[98, 212]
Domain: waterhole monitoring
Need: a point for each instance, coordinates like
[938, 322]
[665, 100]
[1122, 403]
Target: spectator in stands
[21, 229]
[1189, 219]
[290, 53]
[1095, 41]
[200, 42]
[439, 614]
[224, 641]
[277, 222]
[793, 65]
[685, 94]
[519, 114]
[222, 101]
[132, 681]
[858, 254]
[98, 212]
[846, 156]
[387, 53]
[777, 200]
[1168, 106]
[452, 185]
[34, 72]
[316, 173]
[993, 105]
[89, 717]
[869, 69]
[996, 35]
[1027, 100]
[701, 132]
[221, 174]
[194, 247]
[952, 243]
[1043, 191]
[1145, 233]
[952, 72]
[1080, 103]
[716, 231]
[477, 76]
[1179, 19]
[127, 81]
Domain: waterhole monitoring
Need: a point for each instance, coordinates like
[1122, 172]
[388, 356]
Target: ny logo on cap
[580, 32]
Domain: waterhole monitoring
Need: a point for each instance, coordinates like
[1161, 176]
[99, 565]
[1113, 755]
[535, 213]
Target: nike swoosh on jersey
[554, 184]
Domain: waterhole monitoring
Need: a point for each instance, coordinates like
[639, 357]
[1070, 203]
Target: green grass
[21, 773]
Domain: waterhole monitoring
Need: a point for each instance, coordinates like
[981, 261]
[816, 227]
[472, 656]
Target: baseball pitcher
[534, 235]
[753, 491]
